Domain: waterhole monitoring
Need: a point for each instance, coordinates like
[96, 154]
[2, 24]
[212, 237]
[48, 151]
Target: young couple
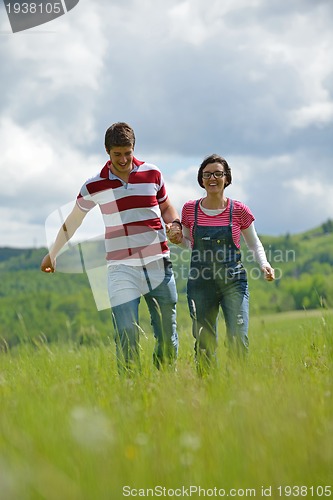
[138, 216]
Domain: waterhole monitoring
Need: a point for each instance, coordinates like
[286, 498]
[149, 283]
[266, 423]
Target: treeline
[304, 270]
[38, 307]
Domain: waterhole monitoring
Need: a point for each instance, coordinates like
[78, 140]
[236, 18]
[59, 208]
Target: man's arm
[169, 213]
[67, 230]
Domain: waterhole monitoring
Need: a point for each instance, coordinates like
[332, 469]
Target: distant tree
[327, 226]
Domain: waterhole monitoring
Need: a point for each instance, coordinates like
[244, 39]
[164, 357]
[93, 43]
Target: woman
[212, 227]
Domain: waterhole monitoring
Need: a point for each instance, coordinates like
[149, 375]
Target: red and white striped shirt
[242, 218]
[134, 233]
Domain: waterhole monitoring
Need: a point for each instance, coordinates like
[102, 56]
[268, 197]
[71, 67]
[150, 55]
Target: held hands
[269, 273]
[174, 232]
[48, 265]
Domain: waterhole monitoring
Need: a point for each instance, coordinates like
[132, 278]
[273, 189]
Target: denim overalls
[217, 278]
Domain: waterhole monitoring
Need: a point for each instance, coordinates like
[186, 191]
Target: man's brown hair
[119, 134]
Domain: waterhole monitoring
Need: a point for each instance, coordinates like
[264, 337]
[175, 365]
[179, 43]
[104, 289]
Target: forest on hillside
[61, 307]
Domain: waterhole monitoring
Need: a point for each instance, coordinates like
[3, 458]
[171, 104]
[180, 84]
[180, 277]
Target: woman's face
[214, 177]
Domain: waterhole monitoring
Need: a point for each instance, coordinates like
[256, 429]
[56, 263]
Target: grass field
[71, 428]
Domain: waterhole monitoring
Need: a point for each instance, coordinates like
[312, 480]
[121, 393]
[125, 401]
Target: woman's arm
[254, 244]
[186, 240]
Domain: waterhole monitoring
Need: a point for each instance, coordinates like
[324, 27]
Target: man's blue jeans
[156, 283]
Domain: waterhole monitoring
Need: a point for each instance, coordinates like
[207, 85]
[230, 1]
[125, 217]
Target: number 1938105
[304, 491]
[34, 8]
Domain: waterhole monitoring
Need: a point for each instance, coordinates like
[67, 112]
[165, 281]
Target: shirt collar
[107, 174]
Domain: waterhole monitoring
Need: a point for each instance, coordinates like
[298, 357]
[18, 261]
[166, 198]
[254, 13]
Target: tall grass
[71, 428]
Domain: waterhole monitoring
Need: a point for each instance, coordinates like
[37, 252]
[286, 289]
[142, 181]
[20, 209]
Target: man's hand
[48, 265]
[65, 233]
[174, 232]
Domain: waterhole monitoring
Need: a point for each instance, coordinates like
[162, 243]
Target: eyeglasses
[217, 175]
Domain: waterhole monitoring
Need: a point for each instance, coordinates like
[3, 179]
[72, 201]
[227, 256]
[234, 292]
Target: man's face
[121, 158]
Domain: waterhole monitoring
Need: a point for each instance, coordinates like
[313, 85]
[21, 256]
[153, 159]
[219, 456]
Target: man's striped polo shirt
[134, 233]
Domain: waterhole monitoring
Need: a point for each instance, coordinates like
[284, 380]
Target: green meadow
[72, 428]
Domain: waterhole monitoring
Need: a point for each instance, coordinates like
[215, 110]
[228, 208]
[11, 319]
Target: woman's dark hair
[214, 158]
[119, 134]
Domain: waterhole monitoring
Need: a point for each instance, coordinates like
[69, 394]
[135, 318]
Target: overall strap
[231, 210]
[195, 217]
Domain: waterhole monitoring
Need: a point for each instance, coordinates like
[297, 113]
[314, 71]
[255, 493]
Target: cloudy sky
[251, 80]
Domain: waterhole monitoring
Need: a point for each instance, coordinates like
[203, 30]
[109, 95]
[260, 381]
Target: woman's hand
[269, 273]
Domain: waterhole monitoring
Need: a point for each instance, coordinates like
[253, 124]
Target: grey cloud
[275, 200]
[184, 97]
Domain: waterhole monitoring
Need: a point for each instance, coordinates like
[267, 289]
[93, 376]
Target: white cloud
[313, 190]
[183, 186]
[53, 77]
[36, 178]
[61, 58]
[17, 230]
[309, 56]
[319, 113]
[194, 22]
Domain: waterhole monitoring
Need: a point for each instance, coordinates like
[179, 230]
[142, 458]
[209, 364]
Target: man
[134, 204]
